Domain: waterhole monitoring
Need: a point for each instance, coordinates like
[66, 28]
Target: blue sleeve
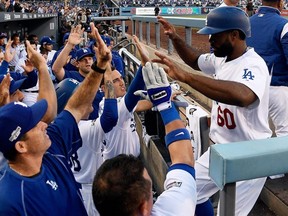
[137, 84]
[109, 116]
[64, 135]
[31, 80]
[4, 67]
[185, 167]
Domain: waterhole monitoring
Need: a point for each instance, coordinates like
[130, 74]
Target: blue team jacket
[266, 29]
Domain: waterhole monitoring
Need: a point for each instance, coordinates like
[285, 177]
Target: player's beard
[224, 50]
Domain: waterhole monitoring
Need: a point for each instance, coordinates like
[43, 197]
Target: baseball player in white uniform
[124, 178]
[240, 94]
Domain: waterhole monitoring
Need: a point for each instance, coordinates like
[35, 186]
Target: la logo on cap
[85, 51]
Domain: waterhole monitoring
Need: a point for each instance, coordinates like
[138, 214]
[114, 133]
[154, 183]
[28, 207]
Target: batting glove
[158, 87]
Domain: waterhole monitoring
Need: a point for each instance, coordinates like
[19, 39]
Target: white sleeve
[179, 197]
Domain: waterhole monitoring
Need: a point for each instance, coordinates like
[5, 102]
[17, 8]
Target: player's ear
[21, 146]
[144, 209]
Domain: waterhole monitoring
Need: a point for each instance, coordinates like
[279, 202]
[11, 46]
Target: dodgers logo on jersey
[174, 184]
[248, 75]
[53, 184]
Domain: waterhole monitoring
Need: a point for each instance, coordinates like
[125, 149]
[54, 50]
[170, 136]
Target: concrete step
[275, 196]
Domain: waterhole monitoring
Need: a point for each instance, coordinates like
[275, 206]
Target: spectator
[250, 8]
[4, 5]
[239, 91]
[3, 37]
[156, 10]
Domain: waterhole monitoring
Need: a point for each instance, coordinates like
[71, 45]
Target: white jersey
[233, 123]
[86, 161]
[88, 158]
[123, 138]
[179, 197]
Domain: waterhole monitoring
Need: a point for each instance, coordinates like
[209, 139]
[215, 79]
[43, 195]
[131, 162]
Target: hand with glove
[158, 87]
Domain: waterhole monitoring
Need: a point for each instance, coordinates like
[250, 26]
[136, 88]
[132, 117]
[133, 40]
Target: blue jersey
[77, 76]
[54, 190]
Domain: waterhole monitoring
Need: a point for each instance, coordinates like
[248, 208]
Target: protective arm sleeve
[137, 84]
[4, 67]
[109, 116]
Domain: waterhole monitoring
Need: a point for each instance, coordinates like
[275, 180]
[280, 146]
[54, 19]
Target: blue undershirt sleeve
[109, 117]
[4, 67]
[137, 84]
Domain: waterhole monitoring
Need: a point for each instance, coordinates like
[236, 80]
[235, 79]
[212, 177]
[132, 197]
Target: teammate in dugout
[37, 179]
[239, 90]
[118, 134]
[124, 182]
[270, 40]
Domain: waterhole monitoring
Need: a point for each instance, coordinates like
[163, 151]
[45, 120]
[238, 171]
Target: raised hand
[34, 57]
[168, 27]
[142, 50]
[103, 53]
[172, 70]
[158, 87]
[8, 56]
[4, 90]
[76, 35]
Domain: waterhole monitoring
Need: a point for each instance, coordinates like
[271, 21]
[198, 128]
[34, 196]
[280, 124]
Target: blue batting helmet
[64, 90]
[226, 18]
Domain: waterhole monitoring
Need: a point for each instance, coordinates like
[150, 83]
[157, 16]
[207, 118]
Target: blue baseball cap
[14, 84]
[83, 52]
[16, 119]
[106, 39]
[46, 40]
[3, 35]
[66, 36]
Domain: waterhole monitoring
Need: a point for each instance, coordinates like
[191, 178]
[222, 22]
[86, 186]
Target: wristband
[97, 69]
[176, 135]
[170, 114]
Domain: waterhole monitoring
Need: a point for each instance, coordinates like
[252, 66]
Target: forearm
[137, 84]
[188, 54]
[227, 92]
[179, 144]
[81, 101]
[4, 67]
[47, 91]
[61, 61]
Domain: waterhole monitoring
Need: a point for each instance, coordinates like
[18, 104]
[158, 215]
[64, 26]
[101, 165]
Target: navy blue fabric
[137, 84]
[266, 27]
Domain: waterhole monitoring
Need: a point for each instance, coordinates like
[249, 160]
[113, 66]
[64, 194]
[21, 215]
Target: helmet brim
[209, 30]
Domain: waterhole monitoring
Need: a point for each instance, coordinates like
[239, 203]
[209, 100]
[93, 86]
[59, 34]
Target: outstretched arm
[109, 117]
[81, 101]
[8, 56]
[46, 87]
[227, 92]
[137, 83]
[74, 39]
[177, 137]
[188, 54]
